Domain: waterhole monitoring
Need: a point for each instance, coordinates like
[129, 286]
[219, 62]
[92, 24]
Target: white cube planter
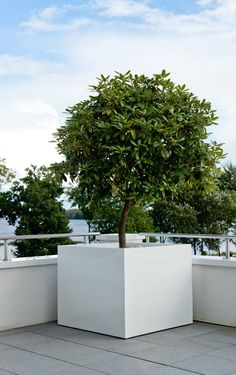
[124, 292]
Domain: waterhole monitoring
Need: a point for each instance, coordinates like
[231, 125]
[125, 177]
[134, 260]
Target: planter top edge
[114, 247]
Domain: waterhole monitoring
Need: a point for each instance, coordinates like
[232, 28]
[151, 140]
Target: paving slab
[208, 365]
[226, 353]
[55, 348]
[50, 349]
[175, 334]
[22, 362]
[219, 336]
[3, 372]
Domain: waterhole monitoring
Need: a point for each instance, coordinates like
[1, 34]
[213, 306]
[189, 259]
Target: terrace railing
[224, 238]
[7, 239]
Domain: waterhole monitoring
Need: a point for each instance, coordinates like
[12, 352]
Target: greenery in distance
[32, 204]
[193, 212]
[135, 140]
[106, 219]
[189, 212]
[74, 214]
[6, 174]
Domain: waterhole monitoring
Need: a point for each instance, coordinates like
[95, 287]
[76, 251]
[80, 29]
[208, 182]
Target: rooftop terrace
[51, 349]
[28, 296]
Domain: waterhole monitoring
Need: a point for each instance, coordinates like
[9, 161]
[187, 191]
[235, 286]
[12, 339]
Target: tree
[197, 213]
[173, 217]
[137, 138]
[74, 214]
[6, 174]
[32, 203]
[227, 179]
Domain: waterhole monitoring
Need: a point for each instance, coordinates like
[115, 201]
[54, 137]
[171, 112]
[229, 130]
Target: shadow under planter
[124, 292]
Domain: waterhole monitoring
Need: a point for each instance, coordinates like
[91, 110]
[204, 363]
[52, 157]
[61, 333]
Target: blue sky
[50, 51]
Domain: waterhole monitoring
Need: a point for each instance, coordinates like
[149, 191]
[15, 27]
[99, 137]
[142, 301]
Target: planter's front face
[124, 292]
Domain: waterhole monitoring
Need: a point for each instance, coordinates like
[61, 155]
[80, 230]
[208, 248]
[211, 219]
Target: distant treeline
[74, 213]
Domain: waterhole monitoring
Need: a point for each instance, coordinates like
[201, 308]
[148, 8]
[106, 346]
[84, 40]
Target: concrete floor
[51, 349]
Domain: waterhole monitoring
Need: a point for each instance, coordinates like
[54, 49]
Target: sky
[51, 51]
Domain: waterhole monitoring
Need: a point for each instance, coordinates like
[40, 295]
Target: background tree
[197, 213]
[33, 204]
[6, 174]
[136, 139]
[227, 183]
[106, 217]
[227, 179]
[174, 217]
[74, 214]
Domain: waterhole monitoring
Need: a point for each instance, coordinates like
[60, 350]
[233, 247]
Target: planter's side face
[158, 288]
[91, 289]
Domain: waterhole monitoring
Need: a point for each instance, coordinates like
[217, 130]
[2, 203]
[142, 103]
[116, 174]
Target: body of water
[8, 230]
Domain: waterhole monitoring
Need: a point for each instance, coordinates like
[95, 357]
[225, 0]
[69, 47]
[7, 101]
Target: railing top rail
[81, 234]
[193, 235]
[46, 236]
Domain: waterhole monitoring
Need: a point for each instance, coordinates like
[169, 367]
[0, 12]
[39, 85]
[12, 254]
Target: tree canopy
[137, 138]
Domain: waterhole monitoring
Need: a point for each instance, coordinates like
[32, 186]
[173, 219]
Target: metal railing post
[6, 253]
[227, 252]
[147, 239]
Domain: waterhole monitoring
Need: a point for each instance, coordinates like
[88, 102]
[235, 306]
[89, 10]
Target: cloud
[26, 138]
[145, 42]
[28, 147]
[214, 16]
[23, 66]
[34, 107]
[119, 8]
[52, 19]
[207, 2]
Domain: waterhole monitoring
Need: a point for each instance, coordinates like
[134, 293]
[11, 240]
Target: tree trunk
[122, 225]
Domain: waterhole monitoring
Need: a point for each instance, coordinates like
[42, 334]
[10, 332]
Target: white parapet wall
[28, 291]
[214, 291]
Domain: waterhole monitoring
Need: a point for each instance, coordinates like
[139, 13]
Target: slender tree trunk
[122, 225]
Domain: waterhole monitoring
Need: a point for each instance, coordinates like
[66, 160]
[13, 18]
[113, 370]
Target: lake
[8, 230]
